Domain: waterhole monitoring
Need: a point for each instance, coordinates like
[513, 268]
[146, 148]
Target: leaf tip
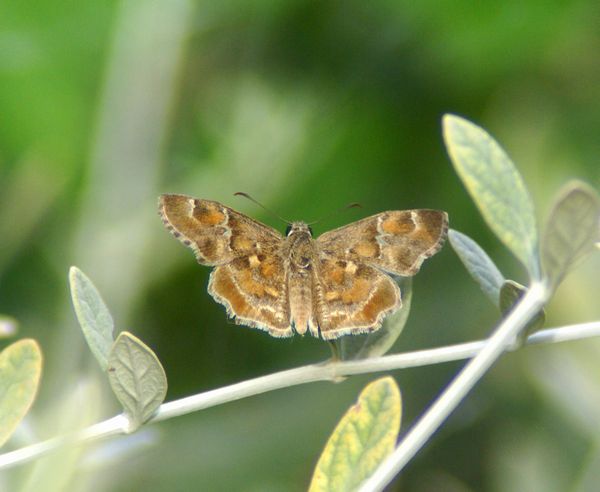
[450, 118]
[73, 272]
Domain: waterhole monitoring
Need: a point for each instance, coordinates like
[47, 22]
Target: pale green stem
[284, 379]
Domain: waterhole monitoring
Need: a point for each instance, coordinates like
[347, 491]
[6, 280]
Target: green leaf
[478, 264]
[571, 231]
[93, 315]
[20, 371]
[510, 294]
[496, 187]
[375, 344]
[363, 438]
[137, 378]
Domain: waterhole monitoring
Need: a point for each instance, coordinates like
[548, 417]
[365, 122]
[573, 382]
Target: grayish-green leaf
[93, 315]
[137, 378]
[571, 231]
[496, 187]
[481, 267]
[511, 293]
[20, 371]
[379, 342]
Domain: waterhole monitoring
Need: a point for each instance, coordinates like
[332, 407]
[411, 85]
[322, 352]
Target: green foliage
[20, 371]
[137, 378]
[481, 267]
[93, 316]
[379, 342]
[135, 373]
[363, 438]
[503, 199]
[571, 230]
[496, 187]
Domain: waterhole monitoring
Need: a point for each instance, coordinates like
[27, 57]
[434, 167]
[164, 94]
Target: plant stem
[283, 379]
[457, 390]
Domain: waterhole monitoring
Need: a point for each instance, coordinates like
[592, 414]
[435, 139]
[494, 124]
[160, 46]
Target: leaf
[571, 231]
[478, 264]
[20, 371]
[137, 378]
[510, 294]
[93, 316]
[363, 438]
[379, 342]
[496, 187]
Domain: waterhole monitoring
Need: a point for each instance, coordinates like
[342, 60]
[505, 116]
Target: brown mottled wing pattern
[249, 278]
[356, 292]
[353, 297]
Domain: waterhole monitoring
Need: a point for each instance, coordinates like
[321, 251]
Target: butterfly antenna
[335, 212]
[245, 195]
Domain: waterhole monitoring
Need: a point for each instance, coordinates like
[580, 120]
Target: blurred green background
[307, 106]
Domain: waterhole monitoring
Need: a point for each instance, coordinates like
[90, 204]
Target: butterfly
[339, 283]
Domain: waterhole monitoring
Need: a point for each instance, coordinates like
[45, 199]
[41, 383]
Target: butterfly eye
[288, 229]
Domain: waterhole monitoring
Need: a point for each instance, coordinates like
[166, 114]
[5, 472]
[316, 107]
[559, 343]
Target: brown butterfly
[334, 285]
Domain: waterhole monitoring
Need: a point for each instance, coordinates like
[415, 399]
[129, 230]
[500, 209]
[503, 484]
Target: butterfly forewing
[249, 278]
[397, 241]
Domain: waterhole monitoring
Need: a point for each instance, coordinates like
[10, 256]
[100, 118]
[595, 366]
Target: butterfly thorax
[301, 246]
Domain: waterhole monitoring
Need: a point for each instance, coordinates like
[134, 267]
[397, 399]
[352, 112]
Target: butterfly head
[298, 228]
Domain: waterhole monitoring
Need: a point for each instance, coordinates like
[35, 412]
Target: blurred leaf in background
[20, 372]
[307, 106]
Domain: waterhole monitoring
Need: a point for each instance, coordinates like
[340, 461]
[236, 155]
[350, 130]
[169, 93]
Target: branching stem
[300, 375]
[502, 338]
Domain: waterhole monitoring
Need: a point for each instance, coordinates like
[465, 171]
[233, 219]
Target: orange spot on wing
[383, 299]
[225, 288]
[397, 225]
[358, 291]
[209, 215]
[268, 268]
[423, 235]
[242, 243]
[368, 249]
[249, 285]
[334, 275]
